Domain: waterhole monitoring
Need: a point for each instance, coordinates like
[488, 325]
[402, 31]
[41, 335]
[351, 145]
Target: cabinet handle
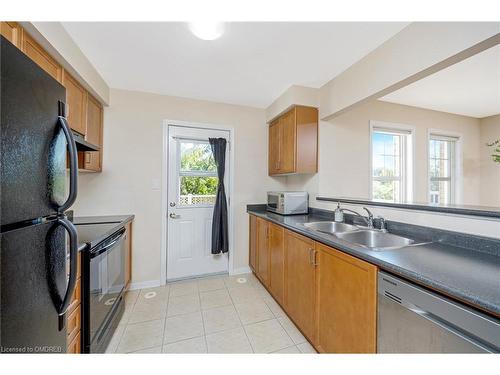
[315, 263]
[311, 253]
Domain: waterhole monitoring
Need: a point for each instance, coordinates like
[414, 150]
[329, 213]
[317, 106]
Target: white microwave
[288, 202]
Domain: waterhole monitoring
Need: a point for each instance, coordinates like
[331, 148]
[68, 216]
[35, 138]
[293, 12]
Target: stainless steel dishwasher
[414, 320]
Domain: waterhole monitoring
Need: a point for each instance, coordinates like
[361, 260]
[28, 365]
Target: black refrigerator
[38, 244]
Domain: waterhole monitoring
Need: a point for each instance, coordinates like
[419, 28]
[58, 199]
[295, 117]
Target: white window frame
[191, 173]
[407, 154]
[456, 179]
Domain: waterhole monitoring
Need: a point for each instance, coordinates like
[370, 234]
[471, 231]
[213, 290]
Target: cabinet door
[274, 147]
[12, 32]
[300, 282]
[277, 261]
[76, 99]
[263, 251]
[74, 345]
[93, 134]
[253, 243]
[36, 53]
[288, 143]
[346, 303]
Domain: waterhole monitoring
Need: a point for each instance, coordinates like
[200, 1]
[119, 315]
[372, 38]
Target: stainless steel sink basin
[330, 227]
[375, 240]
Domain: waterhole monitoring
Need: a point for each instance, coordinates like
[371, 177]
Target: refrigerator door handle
[73, 253]
[73, 160]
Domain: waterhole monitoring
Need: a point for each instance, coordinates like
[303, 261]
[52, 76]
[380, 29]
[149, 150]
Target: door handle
[73, 160]
[312, 257]
[174, 215]
[73, 254]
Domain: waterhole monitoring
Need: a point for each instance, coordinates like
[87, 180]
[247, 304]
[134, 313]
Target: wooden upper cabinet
[253, 243]
[293, 142]
[276, 261]
[263, 250]
[76, 100]
[93, 134]
[36, 53]
[346, 303]
[12, 32]
[274, 147]
[300, 293]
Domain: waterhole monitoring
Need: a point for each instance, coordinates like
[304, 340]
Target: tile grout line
[202, 319]
[242, 326]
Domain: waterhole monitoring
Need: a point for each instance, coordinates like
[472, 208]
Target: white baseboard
[145, 284]
[241, 270]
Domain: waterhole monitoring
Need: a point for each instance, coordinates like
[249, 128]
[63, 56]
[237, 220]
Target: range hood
[82, 144]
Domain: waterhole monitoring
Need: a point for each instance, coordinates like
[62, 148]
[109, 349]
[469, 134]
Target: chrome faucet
[369, 220]
[383, 224]
[370, 217]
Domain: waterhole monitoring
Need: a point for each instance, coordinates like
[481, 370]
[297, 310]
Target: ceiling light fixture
[207, 30]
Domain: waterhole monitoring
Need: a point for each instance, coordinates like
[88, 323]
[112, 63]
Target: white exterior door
[192, 183]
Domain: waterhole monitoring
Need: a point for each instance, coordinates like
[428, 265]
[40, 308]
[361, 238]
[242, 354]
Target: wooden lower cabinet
[73, 316]
[74, 347]
[252, 251]
[276, 244]
[330, 296]
[346, 302]
[263, 251]
[300, 288]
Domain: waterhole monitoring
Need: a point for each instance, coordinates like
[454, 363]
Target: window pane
[196, 157]
[440, 192]
[386, 154]
[388, 191]
[441, 164]
[196, 190]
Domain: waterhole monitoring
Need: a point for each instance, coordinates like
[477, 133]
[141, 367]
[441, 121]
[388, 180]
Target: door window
[197, 174]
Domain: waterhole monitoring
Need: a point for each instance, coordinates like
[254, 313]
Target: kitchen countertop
[93, 229]
[470, 276]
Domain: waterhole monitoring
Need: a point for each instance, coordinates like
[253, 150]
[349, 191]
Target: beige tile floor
[206, 315]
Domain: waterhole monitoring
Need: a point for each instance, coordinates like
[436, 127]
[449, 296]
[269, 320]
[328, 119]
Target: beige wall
[294, 95]
[132, 160]
[344, 156]
[490, 171]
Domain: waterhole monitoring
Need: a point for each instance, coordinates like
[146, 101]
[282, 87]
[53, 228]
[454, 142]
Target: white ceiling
[251, 64]
[469, 88]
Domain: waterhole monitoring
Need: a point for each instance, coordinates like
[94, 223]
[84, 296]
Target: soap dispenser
[338, 214]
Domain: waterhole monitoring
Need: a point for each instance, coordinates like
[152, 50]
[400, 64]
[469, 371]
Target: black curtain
[220, 242]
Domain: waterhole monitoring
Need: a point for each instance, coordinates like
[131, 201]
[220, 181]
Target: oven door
[106, 282]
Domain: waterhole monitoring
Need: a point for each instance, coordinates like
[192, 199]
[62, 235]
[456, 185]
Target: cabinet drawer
[74, 345]
[76, 298]
[73, 324]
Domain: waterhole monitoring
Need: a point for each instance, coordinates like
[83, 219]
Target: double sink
[373, 239]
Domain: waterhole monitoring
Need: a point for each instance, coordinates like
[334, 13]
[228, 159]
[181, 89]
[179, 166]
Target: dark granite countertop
[94, 229]
[470, 276]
